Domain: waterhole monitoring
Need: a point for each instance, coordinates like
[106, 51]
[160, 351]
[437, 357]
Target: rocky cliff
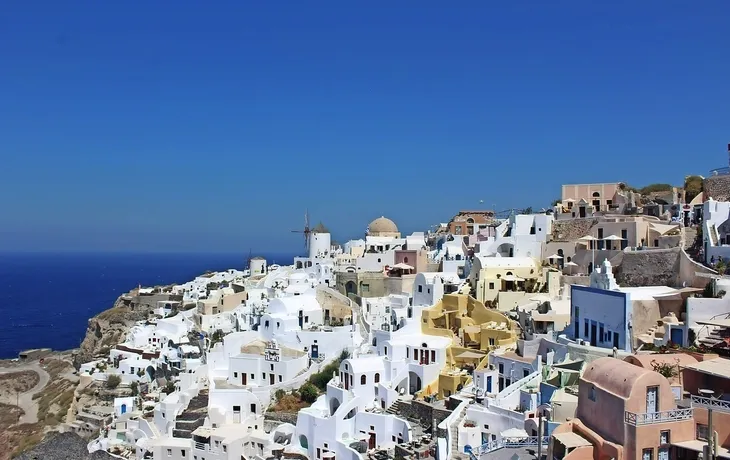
[111, 326]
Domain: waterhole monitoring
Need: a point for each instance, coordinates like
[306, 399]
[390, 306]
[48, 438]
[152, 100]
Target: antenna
[306, 230]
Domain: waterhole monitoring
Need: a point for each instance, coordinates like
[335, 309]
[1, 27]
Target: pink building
[599, 196]
[624, 412]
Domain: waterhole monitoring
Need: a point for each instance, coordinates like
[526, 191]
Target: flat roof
[719, 367]
[570, 439]
[647, 292]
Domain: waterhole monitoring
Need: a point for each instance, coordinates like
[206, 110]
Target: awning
[718, 367]
[402, 266]
[571, 440]
[512, 278]
[471, 355]
[514, 433]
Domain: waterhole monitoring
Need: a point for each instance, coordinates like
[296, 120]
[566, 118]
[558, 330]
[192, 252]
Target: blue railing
[720, 171]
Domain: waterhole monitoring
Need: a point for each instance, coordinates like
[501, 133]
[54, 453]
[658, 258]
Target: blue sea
[47, 299]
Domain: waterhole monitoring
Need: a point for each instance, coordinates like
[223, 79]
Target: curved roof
[364, 364]
[290, 306]
[382, 225]
[645, 361]
[614, 375]
[506, 262]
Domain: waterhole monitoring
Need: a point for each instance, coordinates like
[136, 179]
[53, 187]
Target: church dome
[382, 225]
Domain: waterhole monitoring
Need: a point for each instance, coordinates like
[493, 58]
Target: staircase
[397, 407]
[192, 417]
[454, 438]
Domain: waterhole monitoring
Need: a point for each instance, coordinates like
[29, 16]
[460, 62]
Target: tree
[279, 394]
[667, 370]
[134, 386]
[169, 388]
[113, 381]
[308, 393]
[693, 186]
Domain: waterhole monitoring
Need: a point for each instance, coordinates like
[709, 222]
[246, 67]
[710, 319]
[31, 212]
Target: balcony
[650, 418]
[711, 403]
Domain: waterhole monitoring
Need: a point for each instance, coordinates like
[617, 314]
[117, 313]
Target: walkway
[25, 400]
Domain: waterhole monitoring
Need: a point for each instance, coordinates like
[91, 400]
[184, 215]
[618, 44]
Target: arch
[350, 288]
[414, 383]
[151, 372]
[470, 221]
[363, 379]
[334, 405]
[506, 250]
[596, 195]
[303, 441]
[377, 377]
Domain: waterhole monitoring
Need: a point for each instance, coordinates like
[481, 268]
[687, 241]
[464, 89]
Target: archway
[303, 441]
[414, 383]
[506, 250]
[350, 288]
[151, 372]
[334, 405]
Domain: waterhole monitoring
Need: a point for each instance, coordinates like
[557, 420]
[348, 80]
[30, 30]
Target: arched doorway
[561, 259]
[350, 288]
[303, 441]
[334, 405]
[414, 383]
[151, 372]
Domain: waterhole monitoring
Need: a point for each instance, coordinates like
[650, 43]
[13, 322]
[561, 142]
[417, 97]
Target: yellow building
[503, 282]
[474, 329]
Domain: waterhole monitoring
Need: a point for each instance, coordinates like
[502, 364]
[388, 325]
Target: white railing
[649, 418]
[711, 403]
[491, 446]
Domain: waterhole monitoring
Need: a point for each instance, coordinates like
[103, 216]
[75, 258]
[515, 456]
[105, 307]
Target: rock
[62, 446]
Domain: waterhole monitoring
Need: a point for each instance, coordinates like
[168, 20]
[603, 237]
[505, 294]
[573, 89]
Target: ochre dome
[382, 225]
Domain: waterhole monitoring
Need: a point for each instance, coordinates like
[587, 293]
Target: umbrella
[555, 256]
[593, 248]
[613, 238]
[571, 264]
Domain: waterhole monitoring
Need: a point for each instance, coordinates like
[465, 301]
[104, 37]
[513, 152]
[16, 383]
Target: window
[701, 432]
[182, 453]
[169, 452]
[280, 378]
[592, 394]
[600, 331]
[525, 372]
[235, 375]
[385, 351]
[647, 454]
[236, 409]
[253, 408]
[585, 328]
[306, 319]
[272, 366]
[363, 379]
[664, 437]
[420, 288]
[491, 285]
[491, 341]
[405, 260]
[365, 287]
[266, 323]
[501, 368]
[408, 354]
[433, 356]
[377, 375]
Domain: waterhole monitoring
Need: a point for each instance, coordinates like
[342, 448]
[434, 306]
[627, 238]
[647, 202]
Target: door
[593, 334]
[489, 384]
[371, 441]
[663, 453]
[124, 408]
[652, 404]
[244, 378]
[315, 351]
[676, 336]
[271, 379]
[615, 339]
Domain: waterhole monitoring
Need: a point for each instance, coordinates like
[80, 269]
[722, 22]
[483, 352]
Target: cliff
[111, 326]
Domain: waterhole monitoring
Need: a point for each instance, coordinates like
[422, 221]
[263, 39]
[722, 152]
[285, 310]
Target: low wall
[655, 267]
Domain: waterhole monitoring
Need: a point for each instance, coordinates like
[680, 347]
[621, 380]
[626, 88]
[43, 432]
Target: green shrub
[113, 381]
[279, 394]
[308, 393]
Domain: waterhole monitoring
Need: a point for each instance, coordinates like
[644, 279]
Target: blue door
[315, 351]
[124, 408]
[489, 384]
[676, 336]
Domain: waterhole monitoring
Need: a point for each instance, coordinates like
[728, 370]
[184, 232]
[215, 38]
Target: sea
[46, 300]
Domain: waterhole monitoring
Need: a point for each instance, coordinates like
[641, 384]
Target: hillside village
[596, 328]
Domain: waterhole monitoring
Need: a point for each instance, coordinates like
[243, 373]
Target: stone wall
[282, 417]
[657, 267]
[573, 229]
[423, 413]
[717, 188]
[337, 304]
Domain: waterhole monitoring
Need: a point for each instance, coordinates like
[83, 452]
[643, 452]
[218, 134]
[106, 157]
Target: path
[25, 400]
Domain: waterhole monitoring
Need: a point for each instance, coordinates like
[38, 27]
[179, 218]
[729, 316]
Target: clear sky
[207, 126]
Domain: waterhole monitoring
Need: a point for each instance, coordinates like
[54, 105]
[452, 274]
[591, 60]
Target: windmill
[306, 230]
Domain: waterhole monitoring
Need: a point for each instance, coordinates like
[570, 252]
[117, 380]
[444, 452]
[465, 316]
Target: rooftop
[719, 367]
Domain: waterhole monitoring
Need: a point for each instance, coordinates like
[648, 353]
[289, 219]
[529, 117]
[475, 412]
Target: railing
[649, 418]
[711, 403]
[491, 446]
[720, 171]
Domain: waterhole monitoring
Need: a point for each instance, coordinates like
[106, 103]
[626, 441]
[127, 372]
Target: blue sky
[176, 126]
